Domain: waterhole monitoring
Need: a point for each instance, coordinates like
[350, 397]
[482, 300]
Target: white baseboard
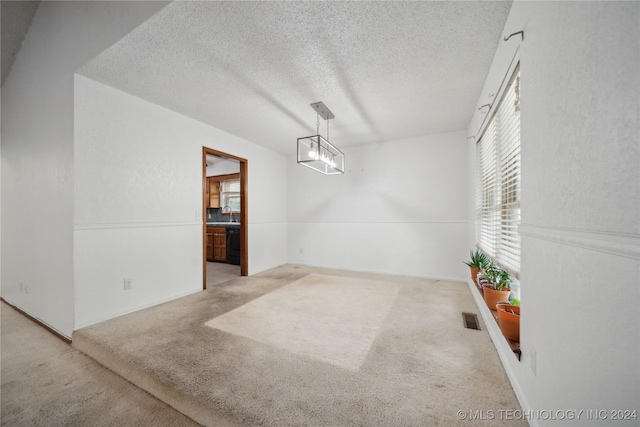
[382, 272]
[132, 310]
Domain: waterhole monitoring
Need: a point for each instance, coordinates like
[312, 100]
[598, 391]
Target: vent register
[470, 321]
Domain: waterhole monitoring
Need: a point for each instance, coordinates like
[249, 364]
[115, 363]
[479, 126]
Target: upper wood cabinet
[214, 192]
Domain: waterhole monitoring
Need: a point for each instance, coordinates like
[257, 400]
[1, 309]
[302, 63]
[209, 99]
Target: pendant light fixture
[317, 152]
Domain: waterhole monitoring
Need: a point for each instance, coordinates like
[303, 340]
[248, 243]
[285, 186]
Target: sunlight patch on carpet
[328, 318]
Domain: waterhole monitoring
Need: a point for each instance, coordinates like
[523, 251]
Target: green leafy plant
[515, 302]
[504, 280]
[491, 273]
[496, 276]
[478, 259]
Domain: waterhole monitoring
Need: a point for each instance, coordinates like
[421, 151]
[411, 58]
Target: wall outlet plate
[128, 284]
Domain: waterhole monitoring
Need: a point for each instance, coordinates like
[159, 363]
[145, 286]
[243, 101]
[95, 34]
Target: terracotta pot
[509, 322]
[494, 296]
[474, 274]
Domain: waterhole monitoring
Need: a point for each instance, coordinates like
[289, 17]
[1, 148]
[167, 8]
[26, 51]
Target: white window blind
[498, 193]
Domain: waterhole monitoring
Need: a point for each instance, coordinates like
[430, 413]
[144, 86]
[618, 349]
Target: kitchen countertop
[225, 224]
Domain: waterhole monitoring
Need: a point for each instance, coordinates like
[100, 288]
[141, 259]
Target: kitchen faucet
[230, 211]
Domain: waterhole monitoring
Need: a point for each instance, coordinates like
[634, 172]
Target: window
[230, 194]
[498, 193]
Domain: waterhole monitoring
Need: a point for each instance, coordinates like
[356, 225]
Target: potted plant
[497, 287]
[478, 261]
[509, 319]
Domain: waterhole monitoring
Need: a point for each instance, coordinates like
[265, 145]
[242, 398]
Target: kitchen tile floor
[220, 272]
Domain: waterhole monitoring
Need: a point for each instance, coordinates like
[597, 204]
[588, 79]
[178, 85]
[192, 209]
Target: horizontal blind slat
[498, 189]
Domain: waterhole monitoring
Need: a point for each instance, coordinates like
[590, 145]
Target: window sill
[515, 346]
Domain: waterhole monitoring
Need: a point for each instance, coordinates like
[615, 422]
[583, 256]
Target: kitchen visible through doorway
[224, 212]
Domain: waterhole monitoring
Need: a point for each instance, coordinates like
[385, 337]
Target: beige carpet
[46, 382]
[418, 366]
[328, 318]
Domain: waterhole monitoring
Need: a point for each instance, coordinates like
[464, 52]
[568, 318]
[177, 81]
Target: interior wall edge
[61, 335]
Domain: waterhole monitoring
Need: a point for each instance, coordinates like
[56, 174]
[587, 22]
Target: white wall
[139, 216]
[222, 167]
[37, 150]
[580, 69]
[400, 207]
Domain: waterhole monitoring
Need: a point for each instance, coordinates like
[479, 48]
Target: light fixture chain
[317, 123]
[327, 130]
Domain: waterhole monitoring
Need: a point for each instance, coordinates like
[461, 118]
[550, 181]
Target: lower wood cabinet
[209, 245]
[219, 243]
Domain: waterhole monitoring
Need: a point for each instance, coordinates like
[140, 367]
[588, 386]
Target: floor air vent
[470, 321]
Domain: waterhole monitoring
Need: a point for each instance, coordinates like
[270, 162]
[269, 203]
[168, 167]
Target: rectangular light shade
[320, 155]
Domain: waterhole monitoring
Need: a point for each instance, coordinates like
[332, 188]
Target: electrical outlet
[533, 360]
[301, 250]
[21, 286]
[128, 284]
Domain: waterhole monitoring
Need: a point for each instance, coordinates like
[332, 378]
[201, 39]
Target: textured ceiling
[387, 70]
[16, 20]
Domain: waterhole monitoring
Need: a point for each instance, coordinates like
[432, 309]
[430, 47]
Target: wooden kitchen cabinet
[214, 192]
[219, 244]
[209, 244]
[216, 244]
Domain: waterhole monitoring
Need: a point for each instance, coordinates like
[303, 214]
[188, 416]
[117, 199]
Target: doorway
[218, 226]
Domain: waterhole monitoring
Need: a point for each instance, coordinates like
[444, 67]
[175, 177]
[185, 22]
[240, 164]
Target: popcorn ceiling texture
[16, 19]
[387, 70]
